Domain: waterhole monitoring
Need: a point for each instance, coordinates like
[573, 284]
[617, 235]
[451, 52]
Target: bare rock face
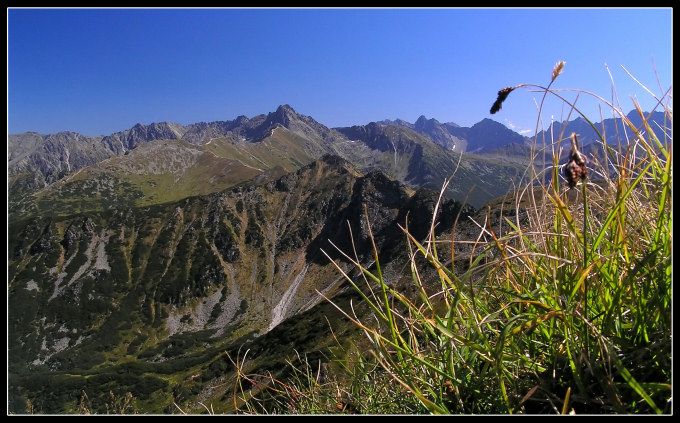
[47, 158]
[120, 142]
[438, 133]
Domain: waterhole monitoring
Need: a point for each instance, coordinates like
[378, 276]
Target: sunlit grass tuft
[564, 307]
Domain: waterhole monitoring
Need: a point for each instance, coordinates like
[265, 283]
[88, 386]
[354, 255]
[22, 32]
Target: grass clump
[357, 386]
[564, 304]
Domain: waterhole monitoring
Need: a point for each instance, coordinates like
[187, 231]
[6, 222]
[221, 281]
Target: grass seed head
[557, 70]
[575, 169]
[502, 95]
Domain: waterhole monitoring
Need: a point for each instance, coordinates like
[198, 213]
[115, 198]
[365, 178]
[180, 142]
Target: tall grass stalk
[562, 306]
[567, 310]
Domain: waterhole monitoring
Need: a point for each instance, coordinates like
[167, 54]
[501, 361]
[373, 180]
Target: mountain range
[36, 161]
[125, 167]
[143, 260]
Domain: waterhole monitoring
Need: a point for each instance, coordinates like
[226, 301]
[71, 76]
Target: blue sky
[99, 71]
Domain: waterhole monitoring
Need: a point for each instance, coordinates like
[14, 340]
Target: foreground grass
[565, 305]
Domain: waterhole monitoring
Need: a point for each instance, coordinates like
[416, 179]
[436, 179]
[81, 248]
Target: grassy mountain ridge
[155, 172]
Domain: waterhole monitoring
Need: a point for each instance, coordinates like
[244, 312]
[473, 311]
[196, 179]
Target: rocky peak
[50, 157]
[283, 115]
[304, 126]
[129, 139]
[366, 132]
[399, 122]
[241, 120]
[488, 134]
[378, 136]
[65, 136]
[372, 134]
[155, 131]
[425, 123]
[436, 131]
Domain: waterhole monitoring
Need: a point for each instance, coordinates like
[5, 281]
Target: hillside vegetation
[565, 305]
[275, 266]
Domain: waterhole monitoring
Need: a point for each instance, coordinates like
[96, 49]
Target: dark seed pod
[502, 95]
[575, 169]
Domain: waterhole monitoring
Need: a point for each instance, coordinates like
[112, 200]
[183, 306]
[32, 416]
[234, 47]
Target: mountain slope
[141, 298]
[152, 173]
[440, 133]
[35, 161]
[137, 272]
[415, 159]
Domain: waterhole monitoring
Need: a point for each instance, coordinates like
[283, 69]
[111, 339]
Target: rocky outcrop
[439, 133]
[120, 142]
[39, 160]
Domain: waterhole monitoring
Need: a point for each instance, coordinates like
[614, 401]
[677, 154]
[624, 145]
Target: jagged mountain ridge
[47, 158]
[35, 161]
[279, 142]
[154, 172]
[484, 136]
[50, 155]
[612, 129]
[157, 288]
[415, 159]
[70, 173]
[441, 133]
